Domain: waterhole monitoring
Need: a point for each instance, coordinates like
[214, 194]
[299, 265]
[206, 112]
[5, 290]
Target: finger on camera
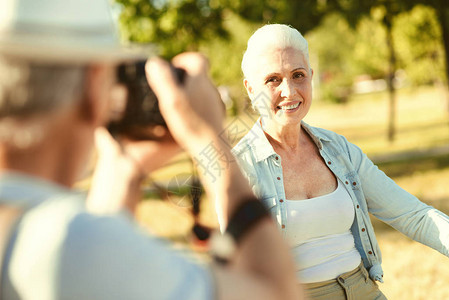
[194, 63]
[161, 78]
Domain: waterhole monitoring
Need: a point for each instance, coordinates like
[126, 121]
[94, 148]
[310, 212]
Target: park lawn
[412, 271]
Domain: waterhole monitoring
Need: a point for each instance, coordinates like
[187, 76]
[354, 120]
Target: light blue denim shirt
[370, 189]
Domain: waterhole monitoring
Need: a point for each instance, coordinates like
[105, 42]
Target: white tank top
[318, 231]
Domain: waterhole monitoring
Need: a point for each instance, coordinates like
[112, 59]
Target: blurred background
[380, 78]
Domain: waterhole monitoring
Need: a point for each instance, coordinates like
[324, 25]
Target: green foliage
[333, 44]
[392, 11]
[418, 41]
[175, 26]
[303, 15]
[345, 52]
[370, 50]
[225, 56]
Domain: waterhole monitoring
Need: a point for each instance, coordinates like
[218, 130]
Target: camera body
[141, 116]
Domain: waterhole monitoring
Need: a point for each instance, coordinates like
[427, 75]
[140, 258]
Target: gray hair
[278, 36]
[28, 89]
[31, 91]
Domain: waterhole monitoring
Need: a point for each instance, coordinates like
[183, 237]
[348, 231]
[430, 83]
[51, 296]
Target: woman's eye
[272, 79]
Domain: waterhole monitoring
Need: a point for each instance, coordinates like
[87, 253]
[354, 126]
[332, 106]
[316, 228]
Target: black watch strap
[248, 214]
[245, 217]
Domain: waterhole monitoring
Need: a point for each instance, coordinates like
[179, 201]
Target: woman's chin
[287, 117]
[282, 120]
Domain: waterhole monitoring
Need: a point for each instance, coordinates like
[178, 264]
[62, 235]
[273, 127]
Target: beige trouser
[353, 285]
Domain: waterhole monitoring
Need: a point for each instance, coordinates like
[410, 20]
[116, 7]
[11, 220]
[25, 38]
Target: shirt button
[358, 206]
[363, 229]
[346, 182]
[369, 252]
[277, 158]
[283, 226]
[354, 183]
[281, 200]
[329, 162]
[279, 178]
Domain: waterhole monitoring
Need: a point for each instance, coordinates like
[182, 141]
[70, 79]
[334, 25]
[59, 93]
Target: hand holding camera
[141, 119]
[193, 111]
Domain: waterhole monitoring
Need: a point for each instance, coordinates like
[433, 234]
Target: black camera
[141, 116]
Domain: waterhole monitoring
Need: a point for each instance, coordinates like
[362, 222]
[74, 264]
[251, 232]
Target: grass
[412, 270]
[418, 160]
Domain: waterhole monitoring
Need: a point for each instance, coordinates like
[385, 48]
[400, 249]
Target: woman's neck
[288, 138]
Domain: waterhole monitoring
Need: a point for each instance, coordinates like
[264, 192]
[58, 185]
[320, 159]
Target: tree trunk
[390, 77]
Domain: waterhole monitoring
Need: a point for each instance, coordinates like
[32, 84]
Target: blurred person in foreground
[318, 186]
[57, 69]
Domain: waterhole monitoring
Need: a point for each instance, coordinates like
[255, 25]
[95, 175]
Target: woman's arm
[393, 205]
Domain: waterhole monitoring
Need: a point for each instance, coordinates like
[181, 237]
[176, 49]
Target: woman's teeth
[288, 107]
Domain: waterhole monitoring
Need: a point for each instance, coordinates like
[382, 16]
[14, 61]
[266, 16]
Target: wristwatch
[245, 217]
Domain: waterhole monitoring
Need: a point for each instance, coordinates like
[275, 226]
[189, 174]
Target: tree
[331, 46]
[303, 15]
[392, 8]
[420, 49]
[387, 10]
[174, 26]
[442, 10]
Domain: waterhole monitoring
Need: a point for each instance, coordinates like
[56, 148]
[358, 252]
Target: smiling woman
[319, 187]
[286, 81]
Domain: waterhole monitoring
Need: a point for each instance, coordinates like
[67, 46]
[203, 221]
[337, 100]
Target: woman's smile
[289, 107]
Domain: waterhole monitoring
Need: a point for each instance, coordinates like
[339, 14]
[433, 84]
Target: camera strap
[201, 232]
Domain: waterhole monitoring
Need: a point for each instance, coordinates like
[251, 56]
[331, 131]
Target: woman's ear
[248, 87]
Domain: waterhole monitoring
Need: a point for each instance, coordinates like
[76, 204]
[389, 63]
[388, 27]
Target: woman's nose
[287, 89]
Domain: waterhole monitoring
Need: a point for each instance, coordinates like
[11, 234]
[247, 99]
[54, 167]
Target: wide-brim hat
[65, 31]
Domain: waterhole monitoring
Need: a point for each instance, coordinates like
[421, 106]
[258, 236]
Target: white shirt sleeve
[81, 256]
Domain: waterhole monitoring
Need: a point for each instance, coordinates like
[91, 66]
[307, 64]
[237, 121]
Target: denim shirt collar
[262, 149]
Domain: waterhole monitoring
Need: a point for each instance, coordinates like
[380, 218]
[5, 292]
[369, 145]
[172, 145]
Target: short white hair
[274, 36]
